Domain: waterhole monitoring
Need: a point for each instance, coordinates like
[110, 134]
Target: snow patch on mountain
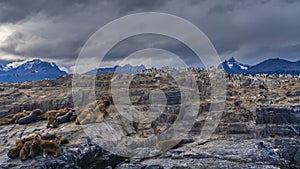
[230, 65]
[244, 67]
[12, 65]
[28, 62]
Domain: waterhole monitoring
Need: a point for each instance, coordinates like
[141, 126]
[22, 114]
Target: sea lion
[4, 121]
[14, 152]
[48, 146]
[34, 149]
[94, 111]
[25, 151]
[12, 118]
[32, 117]
[18, 118]
[63, 119]
[53, 114]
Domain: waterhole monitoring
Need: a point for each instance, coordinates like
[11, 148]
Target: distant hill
[30, 71]
[275, 66]
[270, 66]
[126, 69]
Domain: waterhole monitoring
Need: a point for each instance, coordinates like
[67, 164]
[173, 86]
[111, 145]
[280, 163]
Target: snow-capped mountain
[29, 71]
[270, 66]
[126, 69]
[234, 67]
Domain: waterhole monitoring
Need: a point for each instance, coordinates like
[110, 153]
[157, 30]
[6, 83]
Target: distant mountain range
[126, 69]
[30, 71]
[270, 66]
[39, 70]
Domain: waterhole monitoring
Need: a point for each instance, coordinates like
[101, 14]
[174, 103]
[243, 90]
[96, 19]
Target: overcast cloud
[250, 31]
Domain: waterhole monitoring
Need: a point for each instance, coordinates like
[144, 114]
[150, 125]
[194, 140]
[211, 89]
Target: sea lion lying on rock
[94, 111]
[32, 117]
[52, 115]
[14, 152]
[63, 119]
[10, 119]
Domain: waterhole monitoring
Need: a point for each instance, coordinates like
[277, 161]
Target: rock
[154, 167]
[278, 115]
[82, 158]
[130, 166]
[296, 158]
[293, 94]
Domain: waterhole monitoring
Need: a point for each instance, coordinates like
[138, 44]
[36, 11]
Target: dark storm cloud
[248, 30]
[244, 27]
[139, 42]
[137, 5]
[14, 10]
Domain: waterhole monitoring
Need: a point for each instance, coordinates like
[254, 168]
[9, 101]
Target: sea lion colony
[31, 146]
[56, 117]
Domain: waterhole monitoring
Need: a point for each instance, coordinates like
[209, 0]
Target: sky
[249, 30]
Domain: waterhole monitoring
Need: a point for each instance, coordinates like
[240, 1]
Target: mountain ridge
[37, 69]
[31, 70]
[269, 66]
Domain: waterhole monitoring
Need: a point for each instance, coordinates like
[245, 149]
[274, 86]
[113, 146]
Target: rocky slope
[259, 127]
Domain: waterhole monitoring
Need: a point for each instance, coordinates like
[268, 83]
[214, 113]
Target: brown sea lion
[25, 151]
[48, 146]
[15, 151]
[10, 119]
